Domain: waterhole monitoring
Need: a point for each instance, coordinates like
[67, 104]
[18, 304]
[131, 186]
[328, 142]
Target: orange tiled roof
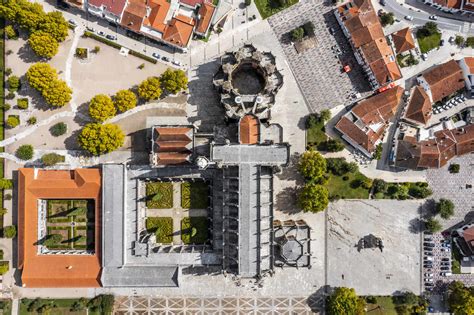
[470, 63]
[206, 11]
[444, 80]
[158, 11]
[419, 107]
[59, 271]
[248, 130]
[179, 31]
[403, 40]
[173, 145]
[133, 15]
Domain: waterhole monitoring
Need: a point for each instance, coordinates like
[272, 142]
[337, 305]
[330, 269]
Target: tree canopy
[174, 81]
[50, 159]
[433, 225]
[460, 298]
[98, 138]
[25, 152]
[345, 301]
[101, 108]
[43, 44]
[313, 198]
[445, 208]
[57, 94]
[150, 89]
[312, 164]
[125, 100]
[42, 77]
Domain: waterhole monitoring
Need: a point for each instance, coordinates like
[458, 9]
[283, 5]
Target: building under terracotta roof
[171, 145]
[364, 126]
[443, 80]
[158, 11]
[206, 12]
[134, 15]
[419, 107]
[113, 6]
[403, 40]
[179, 31]
[249, 130]
[453, 4]
[50, 270]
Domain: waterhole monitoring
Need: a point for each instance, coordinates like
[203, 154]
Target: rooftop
[444, 80]
[113, 6]
[419, 106]
[403, 40]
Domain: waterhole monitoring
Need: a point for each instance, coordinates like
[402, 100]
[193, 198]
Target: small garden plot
[162, 227]
[159, 195]
[195, 195]
[194, 230]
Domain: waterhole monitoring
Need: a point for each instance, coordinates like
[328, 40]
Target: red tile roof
[173, 145]
[419, 106]
[249, 130]
[113, 6]
[470, 63]
[206, 11]
[133, 15]
[58, 271]
[179, 31]
[444, 80]
[403, 40]
[158, 11]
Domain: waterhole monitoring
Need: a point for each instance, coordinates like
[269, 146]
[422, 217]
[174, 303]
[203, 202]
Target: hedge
[162, 227]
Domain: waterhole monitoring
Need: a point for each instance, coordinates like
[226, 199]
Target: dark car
[441, 43]
[111, 37]
[331, 31]
[164, 58]
[446, 259]
[382, 2]
[427, 244]
[445, 268]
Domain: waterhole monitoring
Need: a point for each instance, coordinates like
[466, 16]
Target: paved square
[370, 271]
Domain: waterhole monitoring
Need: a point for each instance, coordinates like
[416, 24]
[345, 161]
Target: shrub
[81, 53]
[150, 89]
[339, 166]
[297, 34]
[6, 183]
[13, 83]
[98, 139]
[3, 211]
[13, 121]
[96, 49]
[419, 192]
[459, 40]
[470, 41]
[4, 267]
[377, 155]
[5, 106]
[51, 159]
[25, 152]
[9, 231]
[10, 32]
[313, 198]
[125, 100]
[454, 168]
[22, 103]
[308, 28]
[10, 95]
[8, 197]
[312, 165]
[8, 71]
[101, 108]
[345, 177]
[141, 66]
[43, 44]
[387, 18]
[52, 240]
[445, 208]
[379, 185]
[32, 120]
[248, 2]
[433, 225]
[331, 145]
[58, 129]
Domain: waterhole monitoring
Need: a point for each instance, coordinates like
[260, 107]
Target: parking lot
[318, 70]
[436, 261]
[372, 271]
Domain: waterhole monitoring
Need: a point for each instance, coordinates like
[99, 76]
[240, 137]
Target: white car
[428, 275]
[446, 274]
[424, 56]
[428, 280]
[409, 17]
[72, 22]
[433, 17]
[177, 63]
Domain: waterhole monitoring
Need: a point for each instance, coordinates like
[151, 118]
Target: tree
[25, 152]
[387, 18]
[150, 89]
[331, 145]
[312, 165]
[125, 100]
[40, 75]
[459, 40]
[101, 108]
[406, 297]
[174, 81]
[379, 185]
[419, 192]
[344, 301]
[98, 139]
[32, 120]
[52, 240]
[10, 32]
[58, 129]
[313, 198]
[445, 208]
[460, 298]
[22, 103]
[325, 115]
[428, 29]
[6, 183]
[51, 159]
[43, 44]
[58, 93]
[433, 225]
[297, 34]
[55, 24]
[454, 168]
[12, 121]
[9, 231]
[377, 155]
[470, 41]
[3, 211]
[79, 305]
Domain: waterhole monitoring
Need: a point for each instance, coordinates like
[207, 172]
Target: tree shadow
[286, 200]
[317, 300]
[71, 142]
[27, 55]
[415, 226]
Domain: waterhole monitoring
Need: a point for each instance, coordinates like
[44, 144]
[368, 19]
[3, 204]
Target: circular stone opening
[248, 79]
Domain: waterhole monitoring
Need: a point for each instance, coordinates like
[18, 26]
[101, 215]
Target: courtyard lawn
[194, 230]
[269, 7]
[194, 195]
[162, 227]
[159, 195]
[315, 135]
[384, 306]
[429, 42]
[337, 186]
[6, 306]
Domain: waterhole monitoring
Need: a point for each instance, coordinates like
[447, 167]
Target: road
[421, 16]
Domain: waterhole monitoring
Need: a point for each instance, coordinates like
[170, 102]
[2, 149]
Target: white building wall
[422, 82]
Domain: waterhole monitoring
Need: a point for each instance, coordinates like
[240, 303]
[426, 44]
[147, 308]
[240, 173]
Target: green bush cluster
[13, 121]
[51, 159]
[58, 129]
[22, 103]
[14, 83]
[42, 77]
[25, 152]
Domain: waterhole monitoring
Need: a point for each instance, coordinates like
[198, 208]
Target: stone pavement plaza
[370, 271]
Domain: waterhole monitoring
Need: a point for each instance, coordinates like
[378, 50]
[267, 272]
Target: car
[441, 43]
[428, 284]
[90, 29]
[72, 22]
[451, 40]
[156, 55]
[428, 258]
[445, 263]
[428, 253]
[431, 309]
[177, 63]
[382, 2]
[331, 31]
[101, 33]
[445, 249]
[445, 259]
[433, 17]
[111, 37]
[424, 56]
[429, 275]
[445, 268]
[445, 274]
[408, 17]
[428, 244]
[448, 245]
[164, 58]
[428, 239]
[428, 289]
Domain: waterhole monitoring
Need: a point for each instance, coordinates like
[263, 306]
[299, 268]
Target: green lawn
[315, 135]
[194, 195]
[338, 186]
[429, 43]
[6, 306]
[199, 224]
[2, 102]
[63, 307]
[162, 227]
[384, 306]
[269, 7]
[164, 195]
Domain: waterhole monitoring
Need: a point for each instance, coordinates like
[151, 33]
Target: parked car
[451, 40]
[445, 249]
[429, 275]
[441, 43]
[164, 58]
[72, 22]
[90, 29]
[429, 284]
[101, 33]
[428, 253]
[331, 31]
[382, 2]
[433, 17]
[445, 259]
[428, 258]
[448, 245]
[445, 263]
[408, 17]
[177, 63]
[424, 56]
[428, 244]
[445, 268]
[111, 37]
[428, 239]
[445, 274]
[156, 55]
